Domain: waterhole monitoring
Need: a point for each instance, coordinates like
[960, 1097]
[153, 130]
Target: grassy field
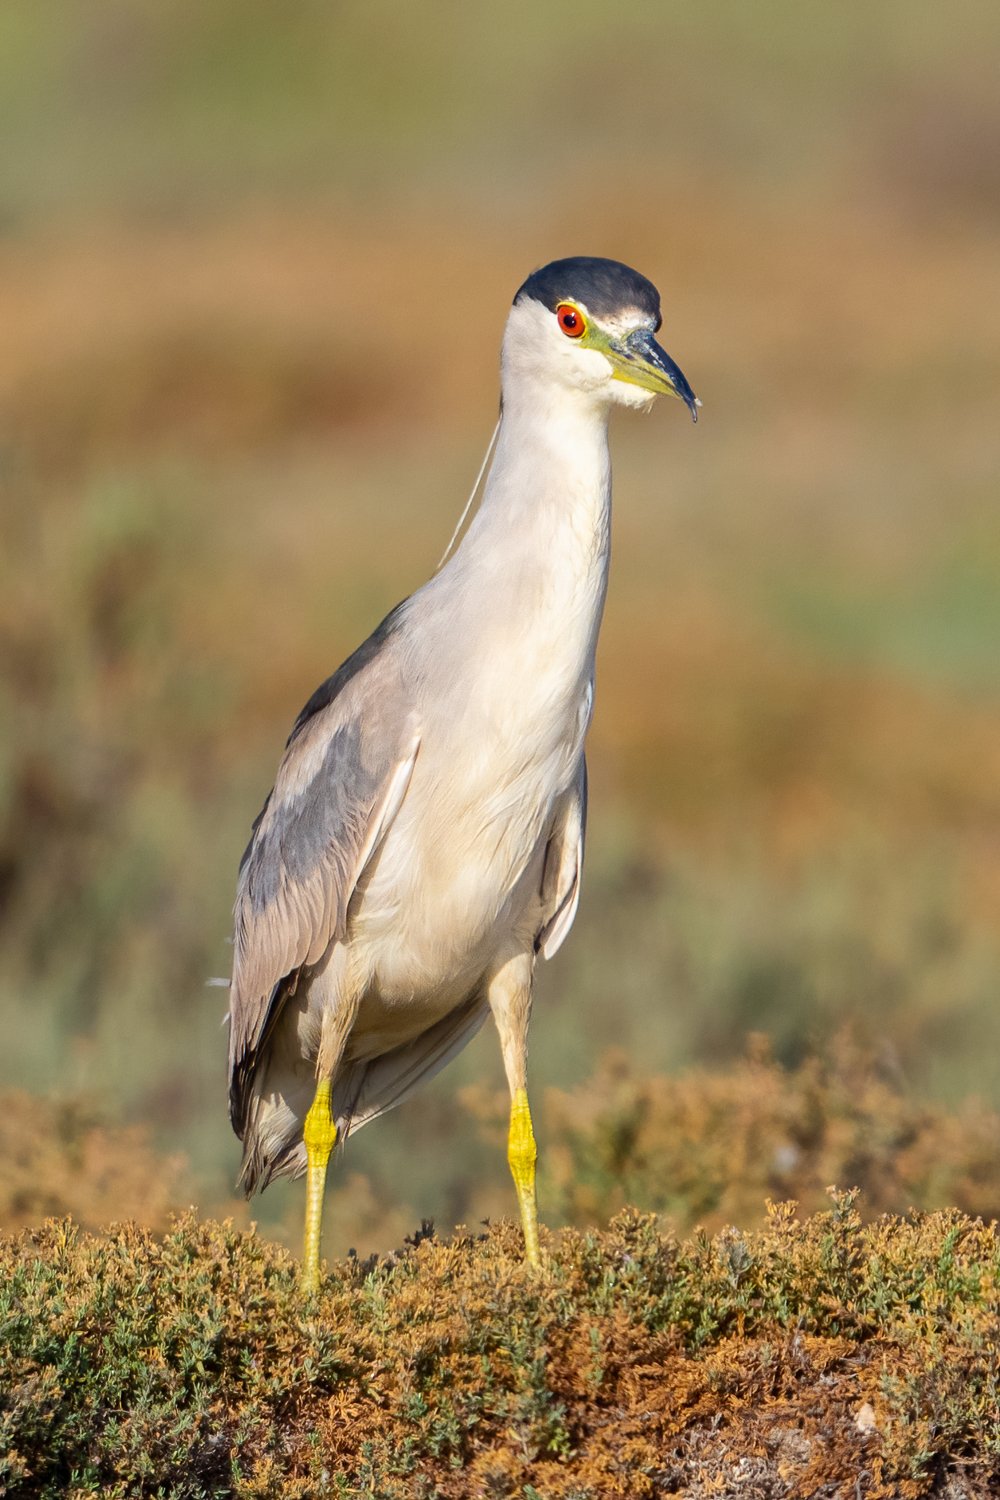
[253, 272]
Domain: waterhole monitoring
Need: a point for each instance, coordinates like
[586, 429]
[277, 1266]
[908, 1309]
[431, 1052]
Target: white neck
[524, 592]
[544, 520]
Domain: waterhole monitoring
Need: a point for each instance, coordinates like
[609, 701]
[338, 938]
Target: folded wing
[340, 783]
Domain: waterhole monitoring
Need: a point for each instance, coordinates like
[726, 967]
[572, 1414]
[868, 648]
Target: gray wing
[563, 867]
[340, 783]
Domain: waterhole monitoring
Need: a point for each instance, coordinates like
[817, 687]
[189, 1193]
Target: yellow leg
[522, 1154]
[319, 1134]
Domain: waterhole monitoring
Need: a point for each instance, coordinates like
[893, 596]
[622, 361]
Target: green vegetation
[253, 275]
[797, 1359]
[778, 1358]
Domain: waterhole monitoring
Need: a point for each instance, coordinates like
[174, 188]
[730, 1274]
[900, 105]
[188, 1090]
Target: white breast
[502, 671]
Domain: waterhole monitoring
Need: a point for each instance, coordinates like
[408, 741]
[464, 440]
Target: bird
[422, 846]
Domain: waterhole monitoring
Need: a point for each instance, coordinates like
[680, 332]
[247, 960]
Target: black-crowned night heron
[423, 841]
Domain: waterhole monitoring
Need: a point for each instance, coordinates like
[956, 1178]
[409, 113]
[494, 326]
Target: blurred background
[254, 267]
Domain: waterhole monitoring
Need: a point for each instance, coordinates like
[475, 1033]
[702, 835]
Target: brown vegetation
[60, 1157]
[709, 1148]
[816, 1357]
[703, 1151]
[239, 414]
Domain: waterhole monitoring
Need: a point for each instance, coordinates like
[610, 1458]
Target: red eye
[570, 320]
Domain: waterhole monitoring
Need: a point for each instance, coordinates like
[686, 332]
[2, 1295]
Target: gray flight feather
[351, 746]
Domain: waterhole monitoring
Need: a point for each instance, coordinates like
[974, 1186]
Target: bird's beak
[639, 360]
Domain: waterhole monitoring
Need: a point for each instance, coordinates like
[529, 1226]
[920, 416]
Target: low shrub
[818, 1356]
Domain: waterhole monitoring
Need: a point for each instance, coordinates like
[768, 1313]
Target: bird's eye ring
[570, 320]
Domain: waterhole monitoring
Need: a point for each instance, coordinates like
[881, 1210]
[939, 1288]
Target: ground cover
[818, 1357]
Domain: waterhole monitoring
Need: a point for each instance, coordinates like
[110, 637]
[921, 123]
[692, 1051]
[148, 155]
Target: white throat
[544, 521]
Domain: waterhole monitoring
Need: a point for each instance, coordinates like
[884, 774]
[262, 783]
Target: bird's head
[589, 324]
